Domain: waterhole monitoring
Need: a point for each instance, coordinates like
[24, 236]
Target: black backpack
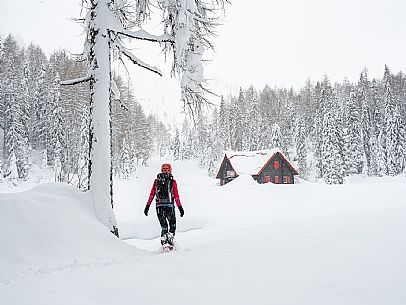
[163, 187]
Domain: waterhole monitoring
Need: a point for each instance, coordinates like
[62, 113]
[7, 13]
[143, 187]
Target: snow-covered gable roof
[250, 162]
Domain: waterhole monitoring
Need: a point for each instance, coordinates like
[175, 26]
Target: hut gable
[264, 166]
[226, 172]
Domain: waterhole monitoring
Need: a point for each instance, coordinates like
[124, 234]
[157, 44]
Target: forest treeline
[330, 130]
[44, 123]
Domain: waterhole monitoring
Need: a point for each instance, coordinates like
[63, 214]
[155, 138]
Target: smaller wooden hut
[264, 166]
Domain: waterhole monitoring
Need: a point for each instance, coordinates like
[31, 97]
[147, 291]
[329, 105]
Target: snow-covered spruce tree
[386, 167]
[57, 161]
[215, 145]
[237, 123]
[25, 118]
[253, 119]
[125, 160]
[354, 156]
[266, 98]
[276, 137]
[15, 133]
[141, 142]
[243, 105]
[339, 129]
[162, 138]
[44, 163]
[8, 98]
[214, 131]
[399, 92]
[120, 123]
[224, 127]
[186, 140]
[377, 108]
[12, 172]
[373, 165]
[315, 93]
[23, 157]
[347, 164]
[382, 162]
[1, 84]
[40, 114]
[395, 142]
[56, 126]
[263, 126]
[24, 160]
[12, 142]
[2, 87]
[288, 116]
[301, 150]
[203, 148]
[308, 105]
[330, 150]
[378, 159]
[188, 26]
[324, 95]
[176, 146]
[331, 136]
[394, 131]
[36, 62]
[366, 122]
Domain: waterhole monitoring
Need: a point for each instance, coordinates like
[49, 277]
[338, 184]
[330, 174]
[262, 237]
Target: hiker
[166, 191]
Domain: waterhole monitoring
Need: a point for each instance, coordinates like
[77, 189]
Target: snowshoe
[167, 248]
[167, 242]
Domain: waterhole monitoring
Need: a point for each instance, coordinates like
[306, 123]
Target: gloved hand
[146, 210]
[181, 211]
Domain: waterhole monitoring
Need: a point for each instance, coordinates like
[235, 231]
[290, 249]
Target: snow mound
[243, 179]
[53, 221]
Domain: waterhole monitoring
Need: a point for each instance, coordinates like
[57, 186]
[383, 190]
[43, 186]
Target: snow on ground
[242, 243]
[51, 227]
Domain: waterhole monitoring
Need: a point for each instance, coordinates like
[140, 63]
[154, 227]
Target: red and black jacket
[158, 203]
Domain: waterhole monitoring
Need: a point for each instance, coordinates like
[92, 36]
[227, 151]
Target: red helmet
[166, 168]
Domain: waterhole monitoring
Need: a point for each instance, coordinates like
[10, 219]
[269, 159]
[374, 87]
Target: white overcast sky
[275, 42]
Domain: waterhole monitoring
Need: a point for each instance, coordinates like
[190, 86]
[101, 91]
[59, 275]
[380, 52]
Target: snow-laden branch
[138, 61]
[114, 90]
[76, 81]
[143, 35]
[123, 105]
[117, 95]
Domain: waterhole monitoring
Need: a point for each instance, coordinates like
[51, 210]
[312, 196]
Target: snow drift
[53, 222]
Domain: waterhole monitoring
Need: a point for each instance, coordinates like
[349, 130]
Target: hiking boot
[164, 239]
[170, 237]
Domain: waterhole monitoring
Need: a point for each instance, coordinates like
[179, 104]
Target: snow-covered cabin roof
[250, 162]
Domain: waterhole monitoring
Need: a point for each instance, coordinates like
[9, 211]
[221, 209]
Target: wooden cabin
[264, 166]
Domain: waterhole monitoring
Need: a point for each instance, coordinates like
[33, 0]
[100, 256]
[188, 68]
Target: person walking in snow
[165, 189]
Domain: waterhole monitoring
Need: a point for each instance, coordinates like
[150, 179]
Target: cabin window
[286, 179]
[230, 174]
[276, 179]
[267, 179]
[276, 164]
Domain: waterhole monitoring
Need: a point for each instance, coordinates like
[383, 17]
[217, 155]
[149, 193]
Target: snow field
[243, 243]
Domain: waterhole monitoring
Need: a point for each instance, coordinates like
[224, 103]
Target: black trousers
[167, 219]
